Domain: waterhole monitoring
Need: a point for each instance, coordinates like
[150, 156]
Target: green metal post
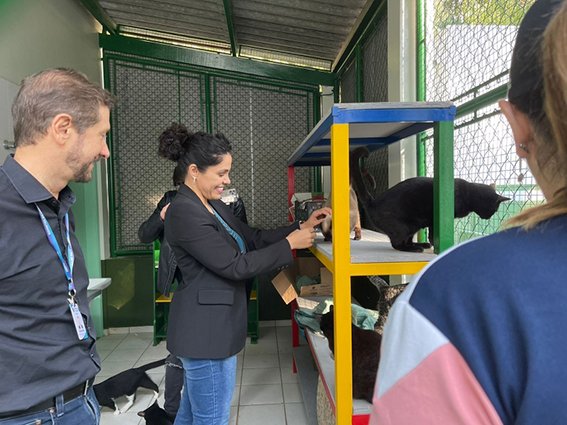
[420, 93]
[359, 72]
[208, 105]
[230, 27]
[317, 184]
[443, 187]
[420, 80]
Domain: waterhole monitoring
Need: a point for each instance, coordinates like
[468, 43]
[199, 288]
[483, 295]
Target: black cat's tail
[356, 174]
[152, 365]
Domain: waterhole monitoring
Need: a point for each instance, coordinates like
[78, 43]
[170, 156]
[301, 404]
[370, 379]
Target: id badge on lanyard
[78, 321]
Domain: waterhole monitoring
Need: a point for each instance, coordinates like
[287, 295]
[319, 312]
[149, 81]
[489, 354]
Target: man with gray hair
[47, 339]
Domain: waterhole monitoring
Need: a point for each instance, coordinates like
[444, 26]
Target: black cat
[125, 384]
[365, 356]
[401, 211]
[155, 415]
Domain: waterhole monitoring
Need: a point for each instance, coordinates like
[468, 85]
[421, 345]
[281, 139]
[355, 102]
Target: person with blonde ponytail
[479, 335]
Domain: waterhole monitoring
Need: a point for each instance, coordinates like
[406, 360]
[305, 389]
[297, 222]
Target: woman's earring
[524, 148]
[521, 174]
[194, 179]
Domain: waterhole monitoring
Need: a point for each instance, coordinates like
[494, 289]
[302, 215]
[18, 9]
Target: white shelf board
[326, 365]
[373, 248]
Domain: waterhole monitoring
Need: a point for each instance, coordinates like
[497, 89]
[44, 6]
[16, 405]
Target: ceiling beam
[198, 58]
[230, 26]
[368, 14]
[100, 15]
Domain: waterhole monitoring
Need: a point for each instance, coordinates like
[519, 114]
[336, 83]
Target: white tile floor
[265, 385]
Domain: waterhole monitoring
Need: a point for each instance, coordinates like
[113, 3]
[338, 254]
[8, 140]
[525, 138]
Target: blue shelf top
[373, 125]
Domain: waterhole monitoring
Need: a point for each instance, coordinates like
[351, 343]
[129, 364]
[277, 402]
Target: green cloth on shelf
[309, 318]
[306, 281]
[364, 318]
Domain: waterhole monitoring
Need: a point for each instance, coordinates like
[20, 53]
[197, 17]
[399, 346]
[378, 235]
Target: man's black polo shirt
[40, 353]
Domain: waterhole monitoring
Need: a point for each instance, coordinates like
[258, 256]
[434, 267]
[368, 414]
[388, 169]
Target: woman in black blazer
[216, 254]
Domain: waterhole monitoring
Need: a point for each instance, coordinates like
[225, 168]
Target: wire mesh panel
[149, 99]
[348, 84]
[265, 125]
[468, 52]
[375, 89]
[375, 63]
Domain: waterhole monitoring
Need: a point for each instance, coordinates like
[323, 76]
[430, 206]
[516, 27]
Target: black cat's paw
[408, 247]
[425, 245]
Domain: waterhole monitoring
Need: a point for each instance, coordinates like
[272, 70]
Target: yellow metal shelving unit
[373, 125]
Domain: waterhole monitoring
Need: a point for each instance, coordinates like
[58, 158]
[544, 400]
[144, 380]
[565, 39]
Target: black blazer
[208, 314]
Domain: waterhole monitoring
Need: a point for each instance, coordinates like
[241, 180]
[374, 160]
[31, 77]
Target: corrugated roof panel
[197, 18]
[303, 32]
[269, 24]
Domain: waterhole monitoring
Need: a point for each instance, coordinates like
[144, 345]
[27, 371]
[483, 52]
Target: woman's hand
[316, 217]
[302, 238]
[162, 212]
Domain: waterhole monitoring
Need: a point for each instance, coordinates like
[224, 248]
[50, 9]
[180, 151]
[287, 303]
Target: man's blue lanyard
[67, 266]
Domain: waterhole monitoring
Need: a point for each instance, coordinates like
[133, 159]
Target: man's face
[89, 147]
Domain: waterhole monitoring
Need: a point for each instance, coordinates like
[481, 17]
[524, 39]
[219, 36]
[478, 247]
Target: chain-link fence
[149, 99]
[372, 87]
[468, 52]
[264, 122]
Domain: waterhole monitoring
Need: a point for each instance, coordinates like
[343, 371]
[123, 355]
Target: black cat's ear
[142, 414]
[502, 199]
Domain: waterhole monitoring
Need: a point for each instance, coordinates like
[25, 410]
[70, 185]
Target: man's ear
[61, 127]
[520, 125]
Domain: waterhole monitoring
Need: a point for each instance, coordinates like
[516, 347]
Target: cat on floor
[155, 415]
[365, 355]
[125, 384]
[401, 211]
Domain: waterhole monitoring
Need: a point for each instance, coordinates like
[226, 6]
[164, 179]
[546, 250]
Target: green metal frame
[207, 87]
[359, 73]
[420, 92]
[360, 33]
[100, 15]
[213, 61]
[234, 48]
[420, 80]
[354, 53]
[443, 218]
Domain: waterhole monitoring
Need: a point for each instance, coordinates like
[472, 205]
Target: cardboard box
[284, 282]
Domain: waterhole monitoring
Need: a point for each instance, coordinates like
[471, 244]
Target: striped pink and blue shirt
[480, 336]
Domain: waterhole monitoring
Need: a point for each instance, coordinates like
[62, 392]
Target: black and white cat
[401, 211]
[365, 356]
[155, 415]
[125, 384]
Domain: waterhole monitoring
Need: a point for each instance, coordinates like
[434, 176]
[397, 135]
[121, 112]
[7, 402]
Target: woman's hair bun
[174, 142]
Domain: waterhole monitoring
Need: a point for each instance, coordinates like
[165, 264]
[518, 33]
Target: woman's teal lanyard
[231, 232]
[68, 268]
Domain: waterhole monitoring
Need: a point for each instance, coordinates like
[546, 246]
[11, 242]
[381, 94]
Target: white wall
[402, 162]
[41, 34]
[8, 92]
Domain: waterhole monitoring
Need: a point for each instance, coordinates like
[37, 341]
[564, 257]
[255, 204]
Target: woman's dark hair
[176, 143]
[178, 175]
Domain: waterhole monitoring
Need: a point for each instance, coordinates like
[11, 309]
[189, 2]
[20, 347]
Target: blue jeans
[206, 397]
[83, 410]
